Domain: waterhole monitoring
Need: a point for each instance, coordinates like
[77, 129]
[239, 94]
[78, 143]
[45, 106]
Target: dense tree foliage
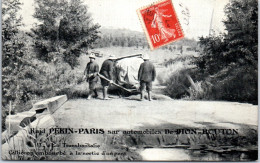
[39, 63]
[229, 61]
[65, 30]
[18, 69]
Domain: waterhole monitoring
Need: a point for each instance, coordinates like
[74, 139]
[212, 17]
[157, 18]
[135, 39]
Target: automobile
[126, 73]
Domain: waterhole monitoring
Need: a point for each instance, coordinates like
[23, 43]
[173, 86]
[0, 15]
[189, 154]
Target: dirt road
[130, 113]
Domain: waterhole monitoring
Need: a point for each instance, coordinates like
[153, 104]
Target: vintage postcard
[130, 80]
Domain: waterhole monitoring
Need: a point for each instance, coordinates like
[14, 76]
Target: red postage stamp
[160, 23]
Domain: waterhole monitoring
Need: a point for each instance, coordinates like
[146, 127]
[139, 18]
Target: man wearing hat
[107, 69]
[91, 73]
[146, 75]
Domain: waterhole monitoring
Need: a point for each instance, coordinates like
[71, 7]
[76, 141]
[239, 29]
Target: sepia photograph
[129, 80]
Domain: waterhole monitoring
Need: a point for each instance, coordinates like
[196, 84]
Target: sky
[122, 14]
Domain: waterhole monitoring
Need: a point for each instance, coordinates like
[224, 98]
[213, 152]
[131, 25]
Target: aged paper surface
[130, 80]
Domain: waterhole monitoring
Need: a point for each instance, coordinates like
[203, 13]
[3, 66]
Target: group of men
[146, 75]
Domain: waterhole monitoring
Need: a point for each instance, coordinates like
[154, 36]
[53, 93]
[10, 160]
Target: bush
[234, 84]
[79, 91]
[177, 86]
[173, 67]
[231, 84]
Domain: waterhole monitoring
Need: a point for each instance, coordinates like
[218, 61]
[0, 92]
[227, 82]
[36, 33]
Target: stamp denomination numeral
[156, 38]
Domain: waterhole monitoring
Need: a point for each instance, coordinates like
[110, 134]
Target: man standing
[146, 75]
[91, 73]
[107, 69]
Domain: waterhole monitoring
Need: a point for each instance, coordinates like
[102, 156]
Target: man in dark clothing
[107, 69]
[146, 75]
[91, 73]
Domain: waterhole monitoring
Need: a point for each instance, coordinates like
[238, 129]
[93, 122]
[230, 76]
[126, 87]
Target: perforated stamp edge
[146, 31]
